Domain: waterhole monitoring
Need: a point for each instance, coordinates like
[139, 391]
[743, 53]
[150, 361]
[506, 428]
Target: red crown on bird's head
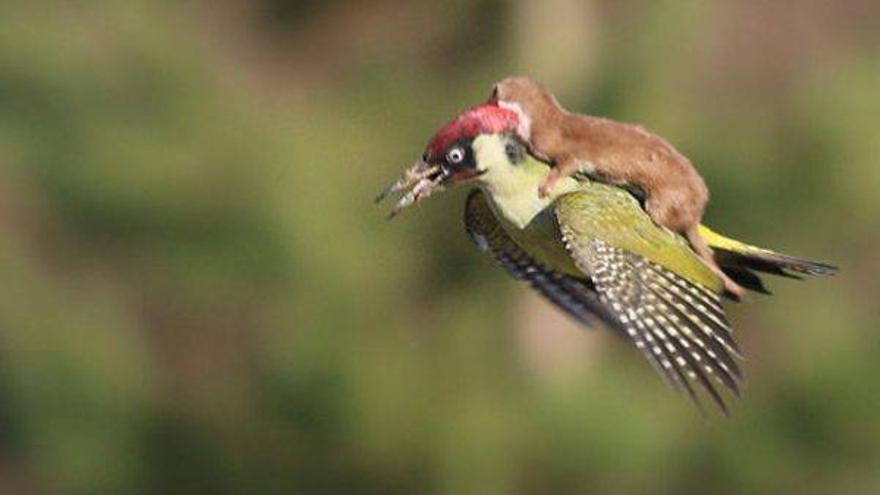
[488, 118]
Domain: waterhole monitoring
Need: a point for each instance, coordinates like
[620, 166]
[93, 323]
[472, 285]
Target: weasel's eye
[455, 155]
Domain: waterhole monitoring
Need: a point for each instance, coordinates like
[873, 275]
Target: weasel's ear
[494, 96]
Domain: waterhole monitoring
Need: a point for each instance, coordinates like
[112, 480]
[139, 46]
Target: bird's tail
[743, 262]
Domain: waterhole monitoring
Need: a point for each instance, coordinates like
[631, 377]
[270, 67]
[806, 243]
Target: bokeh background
[197, 295]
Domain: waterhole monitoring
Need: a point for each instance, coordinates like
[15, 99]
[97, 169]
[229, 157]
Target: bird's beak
[419, 181]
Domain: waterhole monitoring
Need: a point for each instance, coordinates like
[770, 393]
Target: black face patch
[459, 157]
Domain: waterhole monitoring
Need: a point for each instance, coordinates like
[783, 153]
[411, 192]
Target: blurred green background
[198, 296]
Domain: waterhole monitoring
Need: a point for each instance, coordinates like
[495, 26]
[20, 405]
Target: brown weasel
[612, 152]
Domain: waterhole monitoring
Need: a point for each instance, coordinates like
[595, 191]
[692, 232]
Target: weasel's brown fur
[613, 152]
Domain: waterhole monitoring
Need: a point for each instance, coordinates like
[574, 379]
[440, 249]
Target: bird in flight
[592, 250]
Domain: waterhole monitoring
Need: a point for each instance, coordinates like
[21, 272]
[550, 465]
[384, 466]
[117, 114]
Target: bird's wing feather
[575, 296]
[598, 208]
[677, 322]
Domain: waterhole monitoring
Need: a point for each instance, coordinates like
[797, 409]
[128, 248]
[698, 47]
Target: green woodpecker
[615, 153]
[593, 251]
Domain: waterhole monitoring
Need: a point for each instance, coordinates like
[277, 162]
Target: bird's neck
[515, 194]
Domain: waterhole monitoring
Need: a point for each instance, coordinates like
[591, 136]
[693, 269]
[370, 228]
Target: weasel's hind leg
[706, 256]
[671, 209]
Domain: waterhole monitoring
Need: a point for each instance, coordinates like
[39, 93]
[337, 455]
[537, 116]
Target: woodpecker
[592, 250]
[613, 152]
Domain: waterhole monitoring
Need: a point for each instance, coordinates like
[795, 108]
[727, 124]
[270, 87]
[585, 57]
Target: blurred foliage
[198, 296]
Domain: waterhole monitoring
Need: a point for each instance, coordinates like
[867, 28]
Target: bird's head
[450, 157]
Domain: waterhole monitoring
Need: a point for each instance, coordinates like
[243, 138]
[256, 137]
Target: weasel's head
[529, 94]
[520, 89]
[528, 99]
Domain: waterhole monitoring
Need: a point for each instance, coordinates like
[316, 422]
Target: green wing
[576, 296]
[615, 216]
[665, 298]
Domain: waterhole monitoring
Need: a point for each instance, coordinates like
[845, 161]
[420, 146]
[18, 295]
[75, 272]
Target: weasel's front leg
[563, 168]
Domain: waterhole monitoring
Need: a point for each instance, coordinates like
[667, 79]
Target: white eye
[455, 155]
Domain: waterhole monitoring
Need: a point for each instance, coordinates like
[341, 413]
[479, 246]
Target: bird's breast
[539, 237]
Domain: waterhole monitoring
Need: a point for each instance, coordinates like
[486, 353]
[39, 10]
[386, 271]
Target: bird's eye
[455, 155]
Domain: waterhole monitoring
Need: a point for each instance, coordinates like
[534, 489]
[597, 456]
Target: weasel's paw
[733, 288]
[545, 187]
